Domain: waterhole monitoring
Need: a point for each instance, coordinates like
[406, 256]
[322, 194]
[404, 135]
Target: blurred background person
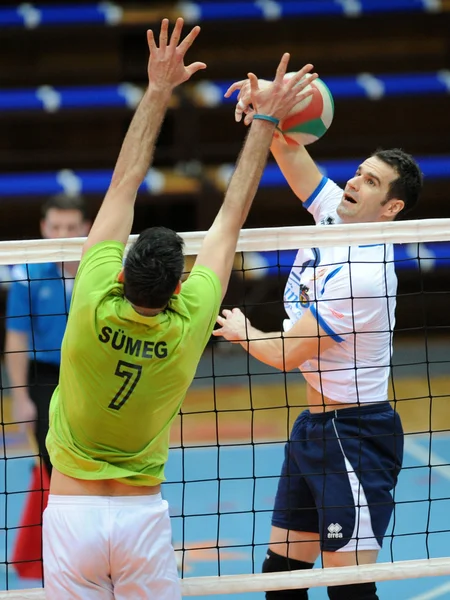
[36, 314]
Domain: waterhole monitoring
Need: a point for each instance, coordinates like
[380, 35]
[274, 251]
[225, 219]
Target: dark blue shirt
[38, 304]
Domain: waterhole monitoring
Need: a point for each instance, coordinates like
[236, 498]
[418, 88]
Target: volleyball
[310, 119]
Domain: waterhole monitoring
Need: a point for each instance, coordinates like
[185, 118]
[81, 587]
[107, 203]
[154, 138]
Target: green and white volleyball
[310, 118]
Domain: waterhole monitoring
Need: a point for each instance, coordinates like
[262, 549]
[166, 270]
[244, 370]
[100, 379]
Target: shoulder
[100, 266]
[200, 295]
[323, 201]
[201, 277]
[104, 249]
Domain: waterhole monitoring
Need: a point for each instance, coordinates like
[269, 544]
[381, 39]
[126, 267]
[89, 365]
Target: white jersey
[351, 291]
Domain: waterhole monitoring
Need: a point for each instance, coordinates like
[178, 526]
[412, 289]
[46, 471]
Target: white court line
[423, 455]
[435, 593]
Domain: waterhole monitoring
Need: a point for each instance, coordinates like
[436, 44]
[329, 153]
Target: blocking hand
[243, 105]
[265, 97]
[166, 68]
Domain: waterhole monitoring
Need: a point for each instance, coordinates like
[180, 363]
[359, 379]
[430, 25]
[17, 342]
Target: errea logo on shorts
[334, 530]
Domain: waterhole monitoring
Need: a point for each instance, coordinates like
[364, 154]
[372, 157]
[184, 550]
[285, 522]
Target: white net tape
[282, 238]
[230, 584]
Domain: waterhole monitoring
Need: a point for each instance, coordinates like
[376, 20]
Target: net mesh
[227, 443]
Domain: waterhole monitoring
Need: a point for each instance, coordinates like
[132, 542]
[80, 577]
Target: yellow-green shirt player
[125, 374]
[133, 341]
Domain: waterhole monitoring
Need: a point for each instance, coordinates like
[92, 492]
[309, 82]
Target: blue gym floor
[244, 498]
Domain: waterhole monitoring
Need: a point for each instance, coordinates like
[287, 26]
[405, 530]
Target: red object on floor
[27, 551]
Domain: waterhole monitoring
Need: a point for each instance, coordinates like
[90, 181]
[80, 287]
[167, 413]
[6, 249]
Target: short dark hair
[409, 182]
[66, 202]
[153, 267]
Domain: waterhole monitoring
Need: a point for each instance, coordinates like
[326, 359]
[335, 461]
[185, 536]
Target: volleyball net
[228, 441]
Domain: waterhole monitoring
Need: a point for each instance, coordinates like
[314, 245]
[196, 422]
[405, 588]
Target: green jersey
[124, 376]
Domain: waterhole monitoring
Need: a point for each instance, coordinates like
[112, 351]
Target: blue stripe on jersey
[294, 275]
[329, 276]
[325, 326]
[307, 203]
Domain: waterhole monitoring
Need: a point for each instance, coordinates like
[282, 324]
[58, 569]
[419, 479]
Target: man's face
[63, 223]
[365, 194]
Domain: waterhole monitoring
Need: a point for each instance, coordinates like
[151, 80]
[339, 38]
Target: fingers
[226, 313]
[300, 77]
[188, 40]
[244, 92]
[194, 67]
[244, 100]
[249, 117]
[220, 321]
[243, 97]
[235, 86]
[282, 67]
[176, 33]
[302, 95]
[174, 38]
[253, 83]
[151, 41]
[230, 327]
[303, 88]
[241, 107]
[163, 34]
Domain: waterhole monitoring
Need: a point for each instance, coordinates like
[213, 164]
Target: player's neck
[147, 312]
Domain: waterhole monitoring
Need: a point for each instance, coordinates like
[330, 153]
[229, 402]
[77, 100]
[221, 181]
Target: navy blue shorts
[338, 473]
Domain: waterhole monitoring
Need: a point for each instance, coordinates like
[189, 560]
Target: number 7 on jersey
[131, 374]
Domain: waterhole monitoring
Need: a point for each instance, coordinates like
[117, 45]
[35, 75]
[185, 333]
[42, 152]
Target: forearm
[265, 347]
[298, 168]
[17, 363]
[115, 217]
[247, 175]
[138, 146]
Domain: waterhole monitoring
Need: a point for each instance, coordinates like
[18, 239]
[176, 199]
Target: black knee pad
[358, 591]
[275, 563]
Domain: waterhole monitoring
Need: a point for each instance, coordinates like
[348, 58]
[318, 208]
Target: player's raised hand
[166, 68]
[278, 98]
[246, 101]
[244, 98]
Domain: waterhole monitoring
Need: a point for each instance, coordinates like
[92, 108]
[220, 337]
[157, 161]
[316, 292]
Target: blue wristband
[266, 118]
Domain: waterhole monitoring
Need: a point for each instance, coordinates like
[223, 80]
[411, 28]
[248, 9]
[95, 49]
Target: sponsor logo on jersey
[337, 314]
[304, 295]
[319, 273]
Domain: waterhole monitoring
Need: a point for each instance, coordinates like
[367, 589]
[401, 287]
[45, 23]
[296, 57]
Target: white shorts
[103, 547]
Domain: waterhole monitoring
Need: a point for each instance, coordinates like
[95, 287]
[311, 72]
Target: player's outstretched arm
[274, 101]
[296, 164]
[282, 350]
[298, 168]
[166, 70]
